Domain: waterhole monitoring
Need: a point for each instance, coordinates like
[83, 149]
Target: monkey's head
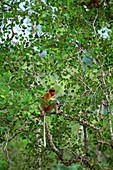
[52, 92]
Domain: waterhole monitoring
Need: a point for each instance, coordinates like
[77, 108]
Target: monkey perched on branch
[48, 105]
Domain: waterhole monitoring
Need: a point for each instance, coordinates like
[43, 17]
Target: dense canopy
[67, 45]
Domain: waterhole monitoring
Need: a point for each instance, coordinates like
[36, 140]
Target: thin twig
[95, 22]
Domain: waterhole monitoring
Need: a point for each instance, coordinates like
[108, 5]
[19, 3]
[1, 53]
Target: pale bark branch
[67, 162]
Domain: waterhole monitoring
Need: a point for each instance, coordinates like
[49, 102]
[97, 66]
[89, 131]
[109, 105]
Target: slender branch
[12, 34]
[86, 142]
[14, 136]
[86, 85]
[5, 3]
[104, 143]
[107, 105]
[95, 22]
[110, 123]
[6, 149]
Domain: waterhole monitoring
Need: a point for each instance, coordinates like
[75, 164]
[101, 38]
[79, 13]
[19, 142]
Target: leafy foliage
[67, 46]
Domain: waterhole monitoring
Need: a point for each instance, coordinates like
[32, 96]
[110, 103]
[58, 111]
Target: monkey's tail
[44, 130]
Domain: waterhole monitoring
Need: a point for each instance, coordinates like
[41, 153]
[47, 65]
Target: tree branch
[86, 123]
[67, 162]
[69, 117]
[107, 105]
[5, 3]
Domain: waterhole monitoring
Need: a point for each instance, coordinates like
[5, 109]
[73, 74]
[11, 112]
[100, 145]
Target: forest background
[69, 46]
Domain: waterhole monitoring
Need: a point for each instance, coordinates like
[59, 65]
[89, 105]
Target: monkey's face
[52, 92]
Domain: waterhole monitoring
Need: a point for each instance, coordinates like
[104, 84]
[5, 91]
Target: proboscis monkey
[48, 106]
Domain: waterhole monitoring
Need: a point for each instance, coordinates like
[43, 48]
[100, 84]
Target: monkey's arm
[54, 106]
